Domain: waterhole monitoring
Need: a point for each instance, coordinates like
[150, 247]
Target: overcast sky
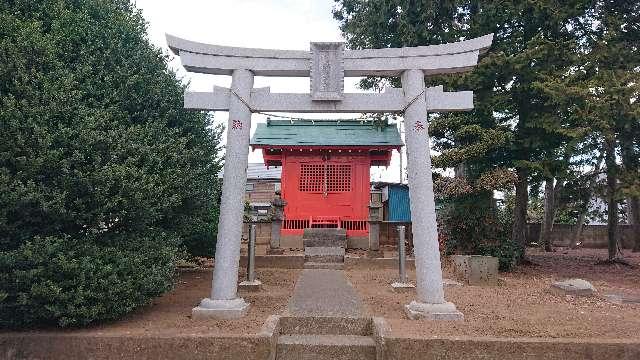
[279, 24]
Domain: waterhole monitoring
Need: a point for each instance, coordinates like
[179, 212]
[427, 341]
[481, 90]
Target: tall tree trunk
[547, 219]
[631, 165]
[577, 236]
[519, 234]
[634, 217]
[612, 202]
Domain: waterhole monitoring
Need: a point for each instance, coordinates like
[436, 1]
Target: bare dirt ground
[521, 306]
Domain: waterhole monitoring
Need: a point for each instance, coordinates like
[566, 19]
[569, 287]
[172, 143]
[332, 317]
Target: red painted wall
[303, 184]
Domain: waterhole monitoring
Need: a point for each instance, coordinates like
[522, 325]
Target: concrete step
[330, 347]
[324, 265]
[321, 254]
[324, 237]
[306, 325]
[314, 233]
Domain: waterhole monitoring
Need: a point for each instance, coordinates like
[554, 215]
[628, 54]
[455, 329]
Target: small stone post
[375, 217]
[402, 284]
[430, 303]
[401, 254]
[277, 206]
[251, 268]
[224, 302]
[251, 283]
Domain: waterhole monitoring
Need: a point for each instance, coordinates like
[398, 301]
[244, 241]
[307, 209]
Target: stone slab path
[325, 293]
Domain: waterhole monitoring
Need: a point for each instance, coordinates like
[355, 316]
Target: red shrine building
[325, 169]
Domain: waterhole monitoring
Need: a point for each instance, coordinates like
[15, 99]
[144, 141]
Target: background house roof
[259, 171]
[325, 133]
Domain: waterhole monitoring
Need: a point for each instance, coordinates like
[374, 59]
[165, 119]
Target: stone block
[575, 287]
[255, 285]
[324, 254]
[335, 347]
[476, 269]
[321, 233]
[399, 287]
[325, 237]
[325, 325]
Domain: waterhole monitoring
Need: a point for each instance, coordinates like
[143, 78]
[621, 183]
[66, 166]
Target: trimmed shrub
[104, 177]
[471, 225]
[66, 282]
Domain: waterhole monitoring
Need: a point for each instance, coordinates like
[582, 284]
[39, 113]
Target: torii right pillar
[430, 303]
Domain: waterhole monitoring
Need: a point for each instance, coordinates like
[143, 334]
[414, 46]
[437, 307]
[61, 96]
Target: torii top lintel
[327, 64]
[434, 59]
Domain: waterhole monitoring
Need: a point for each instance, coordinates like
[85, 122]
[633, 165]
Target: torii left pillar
[224, 302]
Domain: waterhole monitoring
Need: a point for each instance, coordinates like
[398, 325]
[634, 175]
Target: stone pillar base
[220, 309]
[402, 287]
[255, 285]
[445, 311]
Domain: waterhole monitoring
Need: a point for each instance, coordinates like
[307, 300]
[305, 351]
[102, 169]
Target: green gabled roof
[325, 133]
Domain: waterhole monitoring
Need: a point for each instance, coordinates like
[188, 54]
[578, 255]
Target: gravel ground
[521, 306]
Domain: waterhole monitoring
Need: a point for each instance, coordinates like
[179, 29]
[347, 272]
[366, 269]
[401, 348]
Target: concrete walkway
[325, 293]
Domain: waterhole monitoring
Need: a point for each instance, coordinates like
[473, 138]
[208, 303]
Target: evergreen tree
[601, 93]
[103, 175]
[514, 124]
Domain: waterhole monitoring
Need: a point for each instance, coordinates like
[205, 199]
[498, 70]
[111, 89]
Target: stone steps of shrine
[323, 254]
[325, 319]
[318, 237]
[324, 265]
[336, 347]
[326, 325]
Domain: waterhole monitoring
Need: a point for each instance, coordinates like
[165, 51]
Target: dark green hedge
[104, 177]
[472, 225]
[66, 282]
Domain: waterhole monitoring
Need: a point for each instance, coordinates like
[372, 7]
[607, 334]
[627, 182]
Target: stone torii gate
[327, 64]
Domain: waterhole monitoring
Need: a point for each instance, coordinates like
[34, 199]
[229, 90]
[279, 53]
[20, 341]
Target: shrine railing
[353, 227]
[295, 224]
